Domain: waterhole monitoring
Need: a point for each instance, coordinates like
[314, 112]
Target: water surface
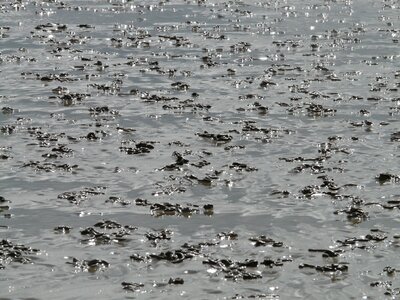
[240, 136]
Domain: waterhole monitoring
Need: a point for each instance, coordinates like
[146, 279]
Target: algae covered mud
[199, 149]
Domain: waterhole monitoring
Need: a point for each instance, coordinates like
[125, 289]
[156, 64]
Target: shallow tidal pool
[199, 149]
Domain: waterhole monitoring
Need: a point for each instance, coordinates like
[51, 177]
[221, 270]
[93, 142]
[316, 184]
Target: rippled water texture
[199, 149]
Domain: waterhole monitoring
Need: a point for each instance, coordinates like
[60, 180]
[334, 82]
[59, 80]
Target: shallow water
[270, 129]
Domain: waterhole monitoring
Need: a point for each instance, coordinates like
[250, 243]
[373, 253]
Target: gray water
[273, 121]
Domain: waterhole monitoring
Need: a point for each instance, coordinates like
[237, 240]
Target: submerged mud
[199, 149]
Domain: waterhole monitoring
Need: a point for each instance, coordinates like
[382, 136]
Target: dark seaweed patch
[161, 209]
[140, 148]
[7, 129]
[62, 149]
[76, 197]
[156, 236]
[227, 235]
[101, 238]
[132, 286]
[115, 233]
[217, 138]
[7, 110]
[354, 214]
[118, 200]
[5, 153]
[263, 240]
[18, 253]
[175, 257]
[90, 266]
[387, 177]
[235, 270]
[327, 252]
[50, 167]
[240, 167]
[177, 280]
[326, 268]
[63, 229]
[269, 262]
